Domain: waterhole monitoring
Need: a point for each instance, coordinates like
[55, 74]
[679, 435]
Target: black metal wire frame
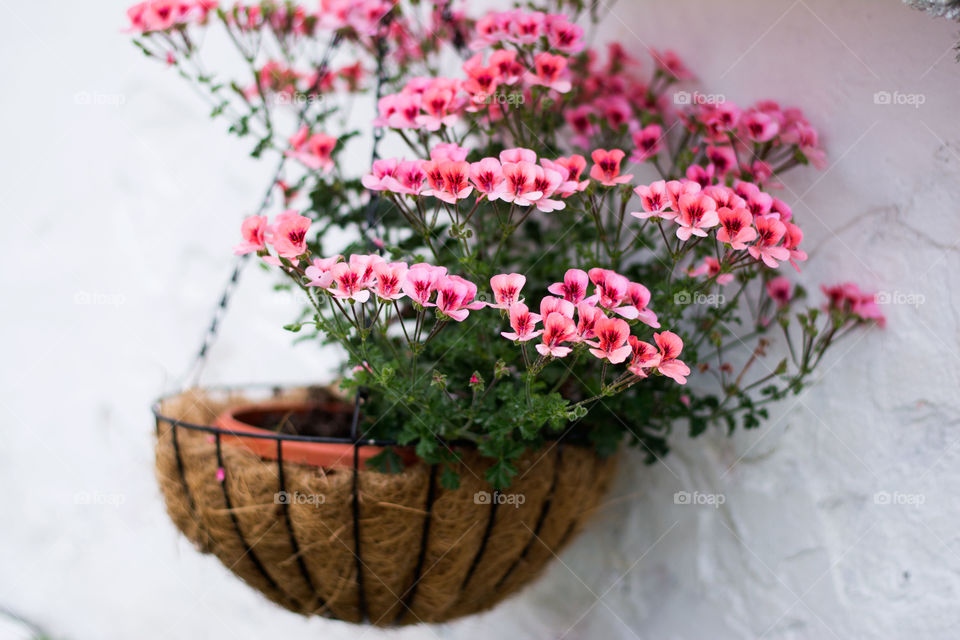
[356, 441]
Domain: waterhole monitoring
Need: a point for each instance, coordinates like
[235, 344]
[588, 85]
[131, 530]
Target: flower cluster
[744, 217]
[161, 15]
[571, 317]
[515, 176]
[661, 220]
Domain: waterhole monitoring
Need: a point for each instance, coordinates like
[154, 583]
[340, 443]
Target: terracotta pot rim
[328, 452]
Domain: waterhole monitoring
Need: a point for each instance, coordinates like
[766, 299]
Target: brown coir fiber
[427, 554]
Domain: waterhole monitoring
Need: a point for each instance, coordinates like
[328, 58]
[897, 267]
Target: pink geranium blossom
[487, 177]
[611, 286]
[780, 290]
[648, 142]
[455, 297]
[551, 304]
[350, 281]
[320, 272]
[314, 151]
[792, 238]
[253, 230]
[611, 340]
[390, 277]
[506, 289]
[769, 233]
[419, 283]
[520, 178]
[736, 228]
[587, 316]
[670, 346]
[644, 356]
[606, 168]
[639, 297]
[563, 35]
[523, 323]
[448, 152]
[848, 298]
[655, 201]
[574, 286]
[574, 165]
[551, 72]
[547, 182]
[518, 154]
[289, 234]
[698, 213]
[376, 180]
[557, 329]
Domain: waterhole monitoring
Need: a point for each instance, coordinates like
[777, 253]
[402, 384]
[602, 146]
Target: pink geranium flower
[791, 239]
[398, 111]
[678, 188]
[648, 142]
[550, 72]
[253, 230]
[587, 316]
[314, 151]
[456, 181]
[698, 213]
[780, 290]
[455, 297]
[611, 340]
[419, 283]
[526, 27]
[557, 329]
[758, 126]
[769, 233]
[848, 298]
[518, 154]
[448, 152]
[350, 281]
[487, 176]
[523, 323]
[408, 178]
[520, 178]
[552, 304]
[390, 277]
[580, 120]
[645, 356]
[606, 168]
[506, 289]
[611, 286]
[573, 288]
[670, 346]
[438, 101]
[320, 272]
[574, 165]
[736, 228]
[563, 35]
[376, 180]
[289, 234]
[655, 201]
[547, 182]
[505, 60]
[725, 197]
[723, 158]
[701, 175]
[639, 297]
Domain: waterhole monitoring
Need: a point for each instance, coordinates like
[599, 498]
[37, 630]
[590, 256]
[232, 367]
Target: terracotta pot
[248, 418]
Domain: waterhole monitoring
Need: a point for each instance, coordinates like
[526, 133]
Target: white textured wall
[117, 222]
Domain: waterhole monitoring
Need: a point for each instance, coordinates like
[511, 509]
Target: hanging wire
[192, 377]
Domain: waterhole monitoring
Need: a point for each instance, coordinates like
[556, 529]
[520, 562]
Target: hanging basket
[355, 544]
